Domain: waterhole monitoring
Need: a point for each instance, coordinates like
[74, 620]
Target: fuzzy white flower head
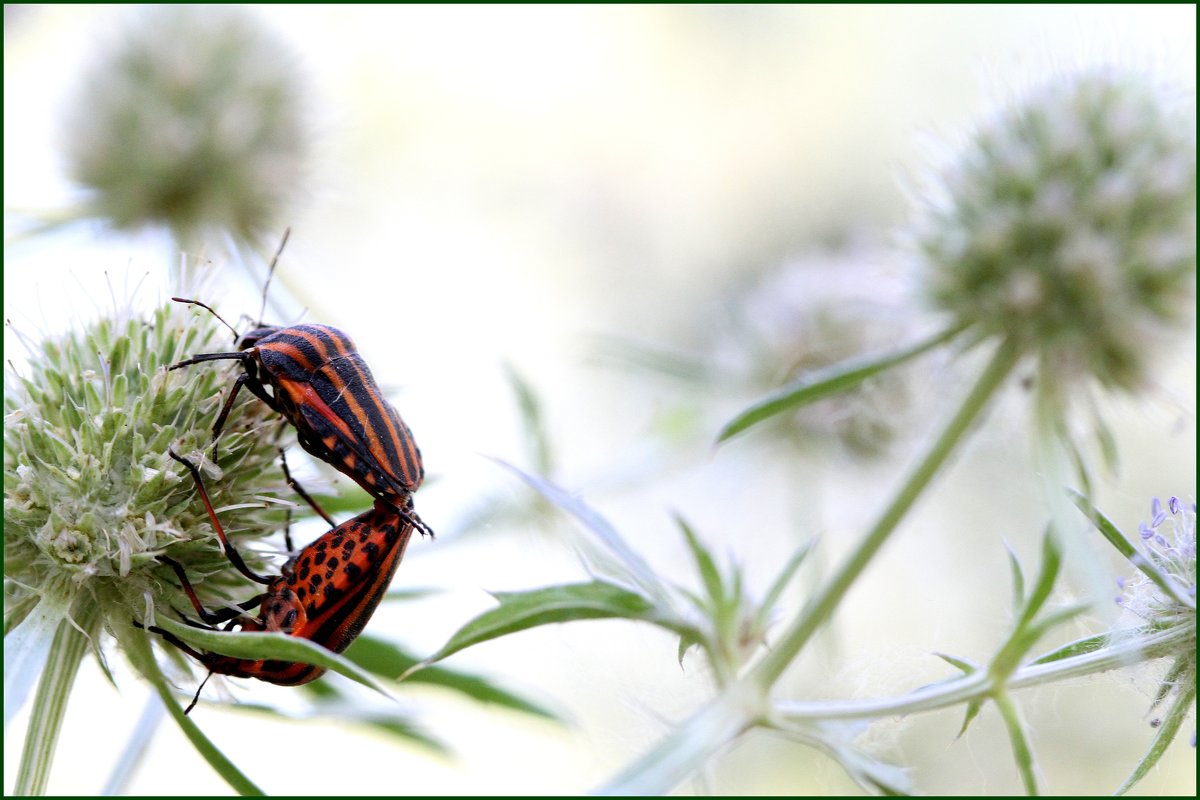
[1068, 224]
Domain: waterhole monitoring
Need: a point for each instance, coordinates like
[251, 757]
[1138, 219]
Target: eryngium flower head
[193, 119]
[91, 496]
[1068, 223]
[1168, 546]
[1168, 541]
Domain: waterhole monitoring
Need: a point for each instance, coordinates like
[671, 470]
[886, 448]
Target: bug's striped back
[328, 393]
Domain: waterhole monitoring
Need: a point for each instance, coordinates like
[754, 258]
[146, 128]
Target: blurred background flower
[191, 117]
[500, 185]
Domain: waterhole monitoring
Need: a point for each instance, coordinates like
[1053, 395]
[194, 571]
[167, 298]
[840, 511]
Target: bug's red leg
[287, 476]
[203, 658]
[231, 553]
[211, 617]
[219, 425]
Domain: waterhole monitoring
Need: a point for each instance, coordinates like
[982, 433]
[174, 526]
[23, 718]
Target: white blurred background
[499, 185]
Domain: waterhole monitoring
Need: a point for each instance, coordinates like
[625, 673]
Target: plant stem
[50, 705]
[979, 685]
[690, 747]
[821, 607]
[744, 703]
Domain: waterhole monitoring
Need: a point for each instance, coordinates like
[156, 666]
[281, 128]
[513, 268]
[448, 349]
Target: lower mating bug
[326, 593]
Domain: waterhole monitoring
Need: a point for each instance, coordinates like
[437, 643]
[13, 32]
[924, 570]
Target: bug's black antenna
[210, 310]
[270, 272]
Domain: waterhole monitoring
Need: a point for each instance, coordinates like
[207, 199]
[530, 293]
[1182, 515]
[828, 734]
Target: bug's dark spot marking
[353, 571]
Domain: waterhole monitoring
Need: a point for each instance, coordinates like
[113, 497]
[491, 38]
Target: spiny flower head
[1069, 224]
[193, 119]
[91, 496]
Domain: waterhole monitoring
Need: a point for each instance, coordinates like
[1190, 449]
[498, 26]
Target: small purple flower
[1157, 515]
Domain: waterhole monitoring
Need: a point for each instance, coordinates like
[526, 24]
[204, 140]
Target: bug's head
[253, 337]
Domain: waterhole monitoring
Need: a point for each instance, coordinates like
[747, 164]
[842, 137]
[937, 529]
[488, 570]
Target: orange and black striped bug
[322, 386]
[326, 593]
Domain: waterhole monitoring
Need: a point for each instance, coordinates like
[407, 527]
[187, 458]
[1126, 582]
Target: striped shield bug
[326, 593]
[322, 386]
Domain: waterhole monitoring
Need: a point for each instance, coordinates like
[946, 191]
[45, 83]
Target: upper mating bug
[326, 593]
[322, 386]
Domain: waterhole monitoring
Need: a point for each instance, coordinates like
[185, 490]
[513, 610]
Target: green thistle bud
[193, 119]
[1069, 225]
[91, 497]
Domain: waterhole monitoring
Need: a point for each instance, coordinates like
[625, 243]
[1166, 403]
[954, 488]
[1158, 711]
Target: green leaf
[963, 664]
[1051, 561]
[653, 358]
[390, 661]
[1167, 730]
[638, 571]
[782, 580]
[335, 707]
[1018, 580]
[352, 500]
[532, 426]
[15, 612]
[1075, 454]
[277, 646]
[1022, 752]
[520, 611]
[704, 563]
[1079, 647]
[409, 594]
[142, 658]
[825, 382]
[973, 709]
[1055, 619]
[1024, 637]
[1108, 444]
[1182, 666]
[686, 643]
[1104, 525]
